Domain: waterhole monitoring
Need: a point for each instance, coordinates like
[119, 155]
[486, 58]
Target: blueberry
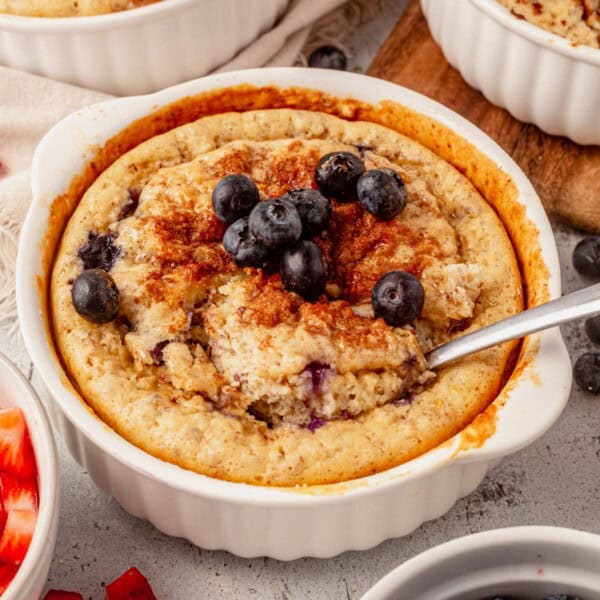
[328, 57]
[95, 296]
[252, 254]
[275, 223]
[337, 175]
[236, 233]
[243, 247]
[592, 328]
[132, 202]
[398, 298]
[314, 209]
[234, 197]
[99, 252]
[382, 193]
[587, 372]
[586, 256]
[303, 270]
[560, 597]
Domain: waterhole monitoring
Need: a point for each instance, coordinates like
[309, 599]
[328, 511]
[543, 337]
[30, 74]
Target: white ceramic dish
[140, 50]
[282, 523]
[528, 563]
[537, 76]
[15, 390]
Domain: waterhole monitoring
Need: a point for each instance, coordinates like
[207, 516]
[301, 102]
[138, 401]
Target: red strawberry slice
[62, 595]
[17, 535]
[2, 514]
[7, 572]
[132, 585]
[18, 494]
[16, 453]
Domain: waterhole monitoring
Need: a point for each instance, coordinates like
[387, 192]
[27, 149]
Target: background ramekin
[31, 577]
[250, 520]
[537, 76]
[140, 50]
[528, 563]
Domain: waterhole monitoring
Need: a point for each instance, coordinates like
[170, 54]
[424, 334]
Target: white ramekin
[537, 76]
[15, 390]
[136, 51]
[528, 563]
[250, 520]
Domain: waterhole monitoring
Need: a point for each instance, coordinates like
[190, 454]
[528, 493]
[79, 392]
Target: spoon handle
[575, 305]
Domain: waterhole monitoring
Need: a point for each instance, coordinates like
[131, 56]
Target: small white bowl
[31, 577]
[528, 563]
[140, 50]
[539, 77]
[293, 522]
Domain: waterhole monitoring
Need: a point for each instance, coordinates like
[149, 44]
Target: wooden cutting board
[565, 175]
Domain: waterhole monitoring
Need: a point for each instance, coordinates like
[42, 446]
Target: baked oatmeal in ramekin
[288, 522]
[218, 367]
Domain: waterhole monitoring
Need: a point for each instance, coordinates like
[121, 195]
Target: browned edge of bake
[496, 186]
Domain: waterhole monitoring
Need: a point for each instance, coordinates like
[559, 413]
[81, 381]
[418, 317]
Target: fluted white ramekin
[537, 76]
[286, 523]
[528, 563]
[30, 579]
[136, 51]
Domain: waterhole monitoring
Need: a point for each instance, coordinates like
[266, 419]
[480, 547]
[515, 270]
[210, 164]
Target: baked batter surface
[68, 8]
[576, 20]
[220, 369]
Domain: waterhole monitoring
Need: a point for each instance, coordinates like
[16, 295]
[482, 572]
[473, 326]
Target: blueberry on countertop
[314, 209]
[382, 192]
[592, 328]
[95, 296]
[243, 247]
[303, 270]
[99, 252]
[275, 223]
[398, 298]
[328, 57]
[337, 175]
[234, 197]
[586, 256]
[587, 372]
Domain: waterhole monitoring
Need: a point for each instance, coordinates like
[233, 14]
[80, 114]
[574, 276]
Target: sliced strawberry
[16, 452]
[132, 585]
[7, 572]
[62, 595]
[17, 535]
[2, 514]
[19, 494]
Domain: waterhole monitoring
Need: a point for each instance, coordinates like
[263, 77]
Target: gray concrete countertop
[555, 481]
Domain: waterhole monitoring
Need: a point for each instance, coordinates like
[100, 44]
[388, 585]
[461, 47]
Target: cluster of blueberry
[586, 260]
[279, 231]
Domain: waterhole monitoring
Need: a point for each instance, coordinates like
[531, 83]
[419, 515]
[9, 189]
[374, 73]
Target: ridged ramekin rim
[44, 445]
[537, 536]
[175, 477]
[93, 23]
[537, 35]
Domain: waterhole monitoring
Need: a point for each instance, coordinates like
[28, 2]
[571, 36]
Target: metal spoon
[575, 305]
